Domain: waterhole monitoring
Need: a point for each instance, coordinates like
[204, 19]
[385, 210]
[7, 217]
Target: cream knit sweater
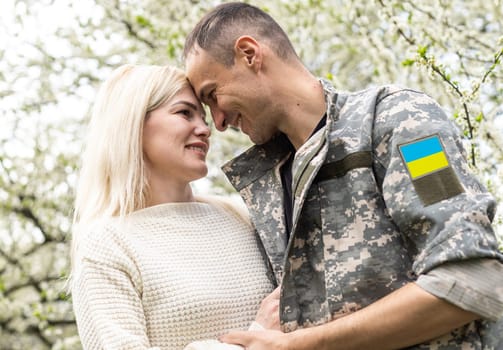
[167, 276]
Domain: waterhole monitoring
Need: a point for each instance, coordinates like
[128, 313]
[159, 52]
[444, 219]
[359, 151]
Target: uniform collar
[263, 157]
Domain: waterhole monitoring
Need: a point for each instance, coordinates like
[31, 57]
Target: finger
[275, 294]
[242, 338]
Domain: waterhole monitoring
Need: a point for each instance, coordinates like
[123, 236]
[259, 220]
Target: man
[376, 230]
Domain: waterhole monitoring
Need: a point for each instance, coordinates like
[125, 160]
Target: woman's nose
[203, 128]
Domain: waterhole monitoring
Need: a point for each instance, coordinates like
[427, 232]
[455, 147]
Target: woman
[154, 267]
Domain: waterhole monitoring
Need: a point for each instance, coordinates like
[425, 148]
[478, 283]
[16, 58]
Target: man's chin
[260, 139]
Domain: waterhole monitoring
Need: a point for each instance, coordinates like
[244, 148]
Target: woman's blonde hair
[112, 180]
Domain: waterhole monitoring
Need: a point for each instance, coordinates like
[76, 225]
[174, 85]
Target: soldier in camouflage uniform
[380, 236]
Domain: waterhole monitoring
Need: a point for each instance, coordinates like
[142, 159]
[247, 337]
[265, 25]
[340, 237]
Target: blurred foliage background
[54, 53]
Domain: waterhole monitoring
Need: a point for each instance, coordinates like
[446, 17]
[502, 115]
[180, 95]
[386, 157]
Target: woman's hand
[268, 313]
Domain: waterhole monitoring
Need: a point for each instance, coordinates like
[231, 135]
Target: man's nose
[218, 118]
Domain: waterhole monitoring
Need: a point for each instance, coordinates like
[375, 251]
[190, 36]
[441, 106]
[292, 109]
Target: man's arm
[403, 318]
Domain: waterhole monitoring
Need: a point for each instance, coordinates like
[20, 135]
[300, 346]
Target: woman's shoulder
[102, 228]
[104, 237]
[104, 248]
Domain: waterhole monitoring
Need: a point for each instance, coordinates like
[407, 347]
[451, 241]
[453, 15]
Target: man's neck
[299, 96]
[305, 113]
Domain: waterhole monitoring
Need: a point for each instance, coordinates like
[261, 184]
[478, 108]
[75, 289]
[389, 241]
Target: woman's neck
[161, 192]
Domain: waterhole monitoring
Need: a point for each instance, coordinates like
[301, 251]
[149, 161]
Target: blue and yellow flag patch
[432, 176]
[424, 156]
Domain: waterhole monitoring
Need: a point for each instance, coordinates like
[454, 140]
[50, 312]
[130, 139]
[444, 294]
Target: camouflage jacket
[381, 195]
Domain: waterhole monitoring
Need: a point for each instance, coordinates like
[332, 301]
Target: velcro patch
[428, 166]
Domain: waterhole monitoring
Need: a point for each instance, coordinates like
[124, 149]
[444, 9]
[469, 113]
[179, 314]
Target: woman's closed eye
[186, 113]
[191, 115]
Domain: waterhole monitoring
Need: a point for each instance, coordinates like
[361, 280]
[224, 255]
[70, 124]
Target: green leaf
[408, 62]
[421, 50]
[143, 22]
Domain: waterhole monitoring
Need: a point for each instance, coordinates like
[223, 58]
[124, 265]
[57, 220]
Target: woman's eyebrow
[190, 105]
[187, 103]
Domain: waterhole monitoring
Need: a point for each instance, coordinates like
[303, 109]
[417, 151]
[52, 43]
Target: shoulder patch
[428, 166]
[424, 156]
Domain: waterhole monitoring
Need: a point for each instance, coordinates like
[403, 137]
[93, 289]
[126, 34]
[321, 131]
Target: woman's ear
[248, 51]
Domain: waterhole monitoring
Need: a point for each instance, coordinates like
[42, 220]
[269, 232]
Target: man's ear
[248, 51]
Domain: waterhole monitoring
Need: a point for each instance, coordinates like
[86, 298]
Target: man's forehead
[196, 55]
[200, 66]
[196, 69]
[196, 63]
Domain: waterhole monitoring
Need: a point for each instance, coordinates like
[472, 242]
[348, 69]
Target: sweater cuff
[473, 285]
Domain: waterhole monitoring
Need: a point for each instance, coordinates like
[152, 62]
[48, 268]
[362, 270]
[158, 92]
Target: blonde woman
[154, 267]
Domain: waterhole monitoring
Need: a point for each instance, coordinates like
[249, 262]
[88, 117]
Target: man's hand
[268, 313]
[403, 318]
[257, 340]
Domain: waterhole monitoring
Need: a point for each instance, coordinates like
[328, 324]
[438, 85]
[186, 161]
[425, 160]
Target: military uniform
[382, 196]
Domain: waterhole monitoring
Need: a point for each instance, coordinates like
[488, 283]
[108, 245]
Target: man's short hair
[218, 30]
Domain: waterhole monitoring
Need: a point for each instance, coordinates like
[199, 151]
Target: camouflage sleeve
[475, 285]
[443, 213]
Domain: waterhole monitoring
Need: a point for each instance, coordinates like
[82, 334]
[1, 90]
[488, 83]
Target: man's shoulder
[374, 96]
[388, 103]
[382, 92]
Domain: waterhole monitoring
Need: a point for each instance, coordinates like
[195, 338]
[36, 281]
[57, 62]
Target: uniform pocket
[364, 254]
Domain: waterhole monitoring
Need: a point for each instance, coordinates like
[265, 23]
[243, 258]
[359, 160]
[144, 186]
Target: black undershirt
[286, 180]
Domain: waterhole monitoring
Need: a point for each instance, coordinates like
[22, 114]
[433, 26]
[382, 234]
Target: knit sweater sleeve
[106, 297]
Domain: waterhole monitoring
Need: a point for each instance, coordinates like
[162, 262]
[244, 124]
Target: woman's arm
[108, 309]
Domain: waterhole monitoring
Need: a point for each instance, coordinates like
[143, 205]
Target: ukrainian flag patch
[424, 156]
[432, 176]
